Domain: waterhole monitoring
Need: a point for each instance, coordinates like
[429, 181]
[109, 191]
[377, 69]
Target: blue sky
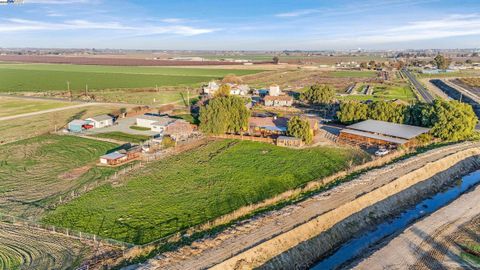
[241, 24]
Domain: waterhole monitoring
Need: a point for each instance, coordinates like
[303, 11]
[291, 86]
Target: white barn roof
[390, 129]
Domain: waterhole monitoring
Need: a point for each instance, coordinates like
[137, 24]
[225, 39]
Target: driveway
[122, 125]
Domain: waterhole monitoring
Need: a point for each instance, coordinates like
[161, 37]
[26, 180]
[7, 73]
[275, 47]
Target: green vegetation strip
[139, 128]
[195, 187]
[124, 137]
[31, 77]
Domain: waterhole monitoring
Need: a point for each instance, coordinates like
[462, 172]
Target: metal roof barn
[390, 129]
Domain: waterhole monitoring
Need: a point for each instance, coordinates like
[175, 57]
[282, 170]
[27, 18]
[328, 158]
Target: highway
[420, 88]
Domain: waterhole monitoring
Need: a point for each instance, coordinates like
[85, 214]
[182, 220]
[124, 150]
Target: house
[161, 124]
[239, 89]
[76, 125]
[146, 121]
[278, 101]
[100, 121]
[267, 126]
[113, 158]
[211, 88]
[274, 90]
[289, 141]
[179, 130]
[381, 133]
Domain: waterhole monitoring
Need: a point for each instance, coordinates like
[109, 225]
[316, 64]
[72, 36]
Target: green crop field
[197, 186]
[36, 172]
[32, 77]
[385, 92]
[13, 106]
[124, 137]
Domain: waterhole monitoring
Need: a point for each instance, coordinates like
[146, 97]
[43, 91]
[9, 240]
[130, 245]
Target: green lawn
[197, 186]
[139, 128]
[124, 137]
[385, 92]
[32, 77]
[353, 74]
[37, 171]
[13, 106]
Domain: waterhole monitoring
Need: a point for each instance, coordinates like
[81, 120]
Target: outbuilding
[278, 101]
[113, 158]
[147, 121]
[381, 133]
[100, 121]
[288, 141]
[76, 125]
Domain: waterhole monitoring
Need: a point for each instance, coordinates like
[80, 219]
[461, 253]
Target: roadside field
[124, 137]
[384, 92]
[143, 97]
[197, 186]
[38, 171]
[14, 106]
[353, 74]
[27, 127]
[31, 77]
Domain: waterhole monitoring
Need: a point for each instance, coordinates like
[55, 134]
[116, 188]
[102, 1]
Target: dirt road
[211, 251]
[428, 244]
[47, 111]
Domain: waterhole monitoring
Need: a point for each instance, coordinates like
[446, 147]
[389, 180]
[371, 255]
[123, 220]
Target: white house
[211, 88]
[100, 121]
[146, 121]
[239, 90]
[161, 125]
[274, 90]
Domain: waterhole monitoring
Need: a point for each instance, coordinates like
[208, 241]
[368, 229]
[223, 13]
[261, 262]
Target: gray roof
[374, 136]
[390, 129]
[164, 121]
[77, 122]
[102, 117]
[113, 156]
[151, 117]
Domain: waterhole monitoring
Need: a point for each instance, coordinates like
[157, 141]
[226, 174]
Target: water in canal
[355, 247]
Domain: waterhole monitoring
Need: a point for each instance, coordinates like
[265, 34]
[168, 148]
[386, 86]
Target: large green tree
[224, 114]
[299, 128]
[453, 120]
[442, 62]
[318, 94]
[387, 111]
[352, 112]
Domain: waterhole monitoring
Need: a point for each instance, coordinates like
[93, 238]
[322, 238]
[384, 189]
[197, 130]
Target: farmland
[384, 92]
[38, 171]
[31, 77]
[198, 186]
[353, 74]
[12, 106]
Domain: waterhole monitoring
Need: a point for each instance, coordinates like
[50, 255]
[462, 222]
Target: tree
[224, 114]
[223, 91]
[276, 60]
[372, 64]
[318, 94]
[363, 65]
[469, 61]
[453, 120]
[387, 111]
[442, 62]
[299, 128]
[123, 112]
[352, 112]
[232, 78]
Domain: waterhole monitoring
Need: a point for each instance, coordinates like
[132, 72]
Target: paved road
[428, 243]
[211, 251]
[426, 95]
[47, 111]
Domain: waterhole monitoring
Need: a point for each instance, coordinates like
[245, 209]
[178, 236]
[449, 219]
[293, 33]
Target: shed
[147, 121]
[289, 141]
[76, 125]
[101, 121]
[112, 158]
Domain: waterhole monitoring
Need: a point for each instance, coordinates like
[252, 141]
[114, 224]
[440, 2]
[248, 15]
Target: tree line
[448, 120]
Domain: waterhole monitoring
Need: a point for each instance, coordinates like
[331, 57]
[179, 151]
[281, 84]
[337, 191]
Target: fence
[245, 138]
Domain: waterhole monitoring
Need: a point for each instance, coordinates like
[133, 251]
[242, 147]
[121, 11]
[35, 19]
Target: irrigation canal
[356, 247]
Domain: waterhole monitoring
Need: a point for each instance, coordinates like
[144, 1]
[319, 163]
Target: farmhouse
[381, 133]
[211, 88]
[161, 124]
[278, 101]
[100, 121]
[274, 90]
[267, 125]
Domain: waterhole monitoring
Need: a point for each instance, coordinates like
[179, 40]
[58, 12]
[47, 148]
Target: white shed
[100, 121]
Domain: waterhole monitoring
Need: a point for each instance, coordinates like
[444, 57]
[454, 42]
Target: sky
[241, 24]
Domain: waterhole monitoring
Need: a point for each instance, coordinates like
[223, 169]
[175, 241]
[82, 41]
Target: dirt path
[211, 251]
[47, 111]
[428, 244]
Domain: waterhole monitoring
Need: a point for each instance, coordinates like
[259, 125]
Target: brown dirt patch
[75, 173]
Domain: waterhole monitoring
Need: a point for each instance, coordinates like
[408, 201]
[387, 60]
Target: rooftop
[102, 117]
[375, 136]
[152, 118]
[284, 98]
[390, 129]
[112, 156]
[280, 122]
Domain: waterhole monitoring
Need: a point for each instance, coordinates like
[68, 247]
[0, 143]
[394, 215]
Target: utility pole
[188, 99]
[461, 95]
[86, 89]
[68, 89]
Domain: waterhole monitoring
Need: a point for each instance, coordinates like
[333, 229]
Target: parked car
[382, 152]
